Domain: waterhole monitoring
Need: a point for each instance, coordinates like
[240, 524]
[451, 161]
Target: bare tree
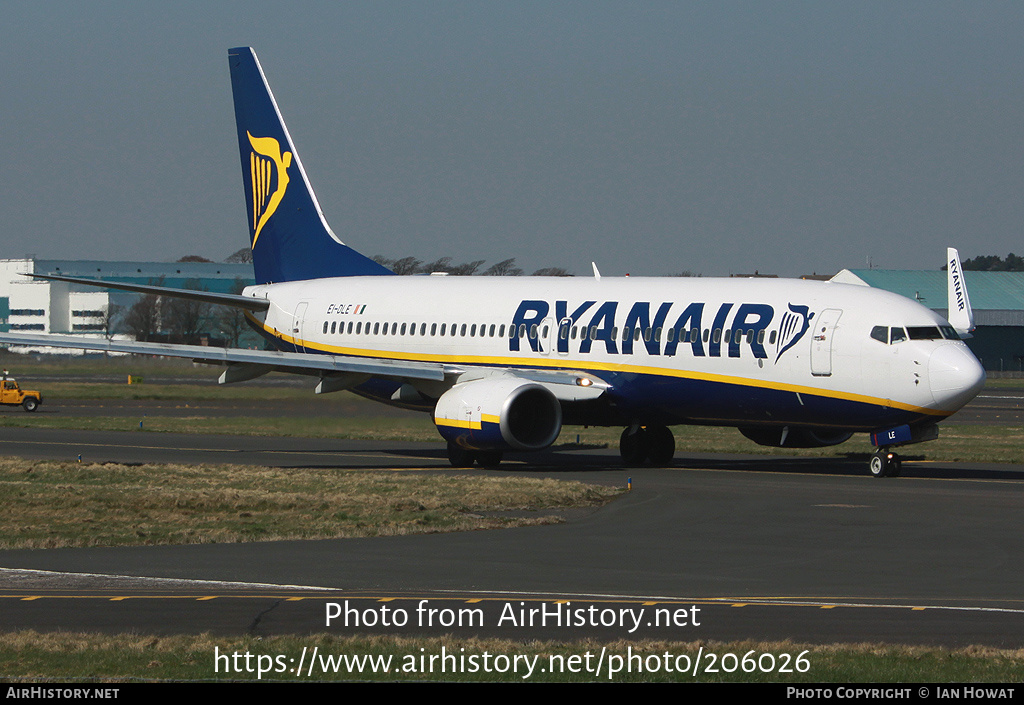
[112, 315]
[143, 319]
[504, 268]
[185, 319]
[406, 265]
[553, 272]
[466, 268]
[243, 256]
[439, 265]
[231, 319]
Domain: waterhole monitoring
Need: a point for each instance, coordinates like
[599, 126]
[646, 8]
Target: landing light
[584, 382]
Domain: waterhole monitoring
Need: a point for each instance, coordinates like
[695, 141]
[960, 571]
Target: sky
[649, 137]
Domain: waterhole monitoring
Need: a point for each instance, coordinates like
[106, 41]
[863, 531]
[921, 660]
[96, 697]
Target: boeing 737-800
[501, 363]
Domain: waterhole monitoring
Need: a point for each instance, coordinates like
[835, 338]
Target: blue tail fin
[290, 238]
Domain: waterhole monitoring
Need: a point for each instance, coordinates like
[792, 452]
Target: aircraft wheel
[488, 458]
[30, 403]
[633, 446]
[884, 464]
[460, 457]
[661, 445]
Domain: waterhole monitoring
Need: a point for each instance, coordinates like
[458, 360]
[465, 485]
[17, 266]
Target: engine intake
[499, 414]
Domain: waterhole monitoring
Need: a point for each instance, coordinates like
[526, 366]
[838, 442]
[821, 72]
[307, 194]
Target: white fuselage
[678, 350]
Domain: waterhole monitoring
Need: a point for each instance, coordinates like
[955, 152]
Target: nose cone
[955, 376]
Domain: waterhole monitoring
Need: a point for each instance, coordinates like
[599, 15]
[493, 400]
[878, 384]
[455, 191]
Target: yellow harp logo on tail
[269, 174]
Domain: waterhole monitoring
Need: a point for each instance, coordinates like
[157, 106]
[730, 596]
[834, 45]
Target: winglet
[960, 313]
[597, 274]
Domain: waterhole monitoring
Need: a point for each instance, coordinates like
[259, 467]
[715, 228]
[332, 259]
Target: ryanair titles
[958, 286]
[660, 329]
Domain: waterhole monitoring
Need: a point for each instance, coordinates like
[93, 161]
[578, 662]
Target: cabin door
[297, 334]
[824, 328]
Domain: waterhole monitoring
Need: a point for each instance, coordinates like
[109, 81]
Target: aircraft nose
[955, 376]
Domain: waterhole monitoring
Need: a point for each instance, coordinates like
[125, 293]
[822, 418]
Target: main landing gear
[885, 463]
[654, 444]
[461, 457]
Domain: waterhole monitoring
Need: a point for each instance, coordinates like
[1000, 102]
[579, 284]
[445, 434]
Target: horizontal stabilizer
[236, 300]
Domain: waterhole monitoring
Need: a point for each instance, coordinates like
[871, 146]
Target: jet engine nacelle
[794, 437]
[499, 414]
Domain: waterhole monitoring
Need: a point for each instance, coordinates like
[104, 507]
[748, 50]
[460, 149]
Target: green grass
[29, 656]
[53, 504]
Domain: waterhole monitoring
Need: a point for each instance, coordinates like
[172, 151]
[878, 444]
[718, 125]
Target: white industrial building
[43, 306]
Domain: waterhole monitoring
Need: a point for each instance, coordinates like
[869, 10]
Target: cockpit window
[948, 333]
[897, 335]
[924, 333]
[880, 333]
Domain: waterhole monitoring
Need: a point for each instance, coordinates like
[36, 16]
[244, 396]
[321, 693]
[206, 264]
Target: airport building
[41, 306]
[996, 297]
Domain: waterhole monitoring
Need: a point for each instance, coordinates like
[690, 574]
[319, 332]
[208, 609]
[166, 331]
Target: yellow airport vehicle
[12, 394]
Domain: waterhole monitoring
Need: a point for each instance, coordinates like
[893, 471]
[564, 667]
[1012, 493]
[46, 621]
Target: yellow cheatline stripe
[458, 423]
[599, 366]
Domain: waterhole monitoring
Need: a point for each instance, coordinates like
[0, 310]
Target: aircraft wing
[267, 360]
[242, 364]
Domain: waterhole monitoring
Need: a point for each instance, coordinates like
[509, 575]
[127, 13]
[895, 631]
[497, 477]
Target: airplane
[501, 363]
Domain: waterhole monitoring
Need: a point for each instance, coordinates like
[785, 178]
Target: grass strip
[32, 656]
[54, 504]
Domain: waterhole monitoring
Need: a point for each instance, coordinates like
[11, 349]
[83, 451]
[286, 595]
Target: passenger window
[718, 335]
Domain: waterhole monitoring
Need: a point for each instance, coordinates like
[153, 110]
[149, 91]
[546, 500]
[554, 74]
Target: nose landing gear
[885, 463]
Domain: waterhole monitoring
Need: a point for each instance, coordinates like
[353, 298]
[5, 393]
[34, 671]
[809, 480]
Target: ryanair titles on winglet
[747, 323]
